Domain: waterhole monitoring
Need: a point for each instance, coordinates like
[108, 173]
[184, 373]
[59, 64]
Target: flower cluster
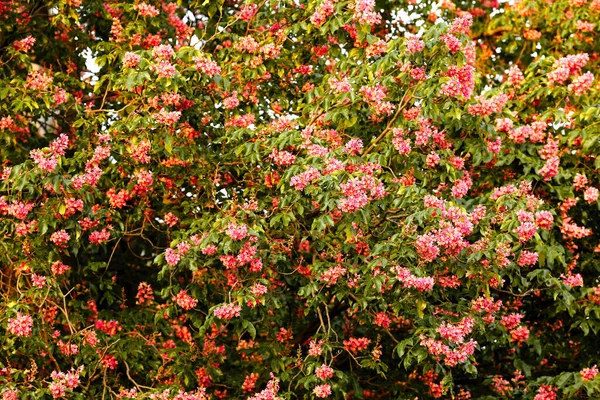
[207, 66]
[359, 191]
[300, 181]
[61, 382]
[374, 97]
[282, 158]
[546, 392]
[48, 160]
[414, 44]
[184, 300]
[21, 325]
[323, 11]
[24, 45]
[146, 10]
[247, 12]
[488, 106]
[364, 12]
[145, 294]
[355, 345]
[567, 66]
[587, 374]
[456, 333]
[270, 392]
[227, 311]
[452, 356]
[461, 84]
[237, 232]
[422, 284]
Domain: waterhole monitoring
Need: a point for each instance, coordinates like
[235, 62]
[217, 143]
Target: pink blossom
[146, 10]
[432, 159]
[494, 146]
[462, 82]
[580, 181]
[565, 66]
[511, 321]
[382, 319]
[38, 81]
[185, 301]
[591, 194]
[167, 117]
[61, 382]
[587, 374]
[60, 96]
[400, 143]
[300, 181]
[585, 26]
[452, 43]
[324, 372]
[581, 84]
[10, 394]
[170, 219]
[258, 289]
[488, 106]
[365, 14]
[207, 66]
[422, 284]
[504, 124]
[100, 237]
[315, 348]
[164, 69]
[332, 165]
[550, 169]
[376, 48]
[38, 280]
[247, 12]
[331, 275]
[282, 158]
[353, 146]
[60, 238]
[270, 393]
[573, 280]
[231, 102]
[227, 311]
[163, 51]
[209, 250]
[525, 231]
[546, 392]
[322, 391]
[462, 24]
[456, 333]
[515, 76]
[520, 334]
[172, 257]
[236, 232]
[131, 60]
[247, 44]
[355, 345]
[340, 86]
[24, 45]
[426, 247]
[145, 294]
[59, 268]
[44, 162]
[544, 219]
[414, 44]
[21, 325]
[527, 258]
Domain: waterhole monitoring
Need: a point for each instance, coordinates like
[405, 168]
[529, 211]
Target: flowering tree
[299, 199]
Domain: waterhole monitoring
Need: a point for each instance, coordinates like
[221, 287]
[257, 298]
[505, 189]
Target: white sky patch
[91, 66]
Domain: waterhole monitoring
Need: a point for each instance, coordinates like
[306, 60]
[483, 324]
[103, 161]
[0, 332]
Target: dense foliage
[299, 199]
